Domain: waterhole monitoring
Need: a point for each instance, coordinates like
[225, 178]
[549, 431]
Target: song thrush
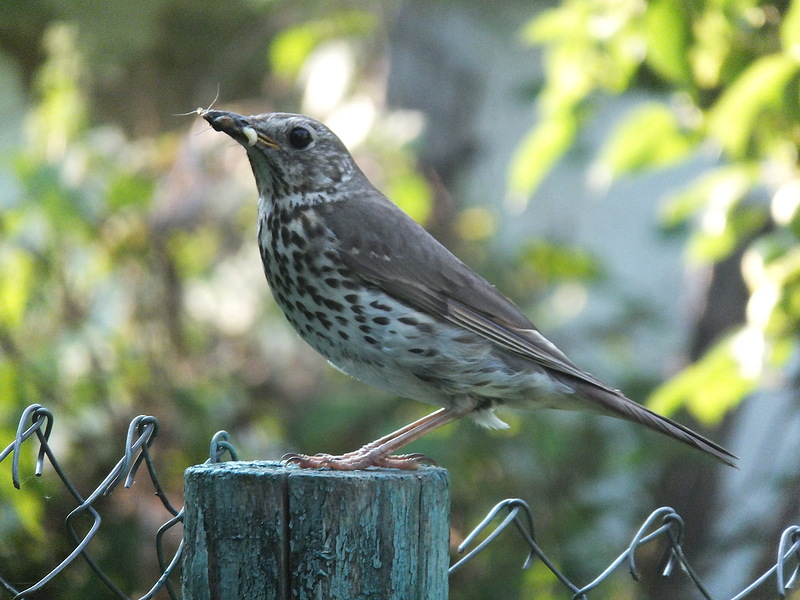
[385, 302]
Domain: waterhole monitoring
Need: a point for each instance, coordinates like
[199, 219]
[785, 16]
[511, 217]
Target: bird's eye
[300, 138]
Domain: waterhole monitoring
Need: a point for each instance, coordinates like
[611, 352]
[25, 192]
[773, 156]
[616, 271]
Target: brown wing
[388, 248]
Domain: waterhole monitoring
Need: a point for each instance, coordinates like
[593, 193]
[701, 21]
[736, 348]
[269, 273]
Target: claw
[419, 458]
[357, 461]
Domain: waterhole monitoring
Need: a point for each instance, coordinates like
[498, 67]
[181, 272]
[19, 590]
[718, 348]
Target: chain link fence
[36, 424]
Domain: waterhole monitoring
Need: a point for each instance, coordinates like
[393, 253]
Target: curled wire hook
[141, 433]
[514, 506]
[790, 535]
[675, 535]
[220, 444]
[668, 516]
[147, 428]
[672, 526]
[38, 416]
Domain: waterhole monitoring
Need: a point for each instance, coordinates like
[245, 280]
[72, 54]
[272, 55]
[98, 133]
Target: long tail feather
[617, 405]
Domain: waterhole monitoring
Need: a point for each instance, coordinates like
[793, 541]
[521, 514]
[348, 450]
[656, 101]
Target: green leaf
[539, 151]
[667, 31]
[65, 208]
[713, 244]
[291, 47]
[588, 45]
[411, 192]
[554, 261]
[790, 30]
[16, 274]
[556, 24]
[736, 116]
[724, 186]
[193, 251]
[711, 386]
[649, 137]
[128, 190]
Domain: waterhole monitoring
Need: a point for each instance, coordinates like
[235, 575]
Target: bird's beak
[238, 127]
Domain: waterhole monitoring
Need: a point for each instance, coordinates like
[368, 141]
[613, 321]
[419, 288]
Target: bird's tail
[613, 403]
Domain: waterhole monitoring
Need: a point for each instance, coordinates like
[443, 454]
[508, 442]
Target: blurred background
[626, 171]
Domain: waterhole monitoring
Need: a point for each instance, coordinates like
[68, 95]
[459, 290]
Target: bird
[386, 303]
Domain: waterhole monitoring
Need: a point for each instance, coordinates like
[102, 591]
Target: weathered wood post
[266, 531]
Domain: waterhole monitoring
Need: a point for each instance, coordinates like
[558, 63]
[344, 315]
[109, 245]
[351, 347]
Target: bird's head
[295, 159]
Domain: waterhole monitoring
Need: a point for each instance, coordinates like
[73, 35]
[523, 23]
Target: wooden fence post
[266, 531]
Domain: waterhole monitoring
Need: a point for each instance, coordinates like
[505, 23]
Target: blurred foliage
[291, 48]
[130, 281]
[728, 77]
[92, 318]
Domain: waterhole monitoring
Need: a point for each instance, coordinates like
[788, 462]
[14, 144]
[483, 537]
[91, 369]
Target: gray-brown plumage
[382, 300]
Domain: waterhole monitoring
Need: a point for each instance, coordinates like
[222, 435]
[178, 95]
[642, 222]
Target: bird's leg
[399, 432]
[379, 452]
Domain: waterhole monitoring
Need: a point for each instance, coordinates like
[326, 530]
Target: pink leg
[379, 452]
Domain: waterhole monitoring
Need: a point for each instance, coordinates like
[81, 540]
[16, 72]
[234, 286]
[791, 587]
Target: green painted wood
[234, 532]
[263, 530]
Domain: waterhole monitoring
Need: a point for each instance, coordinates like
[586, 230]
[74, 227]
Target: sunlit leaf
[29, 510]
[291, 47]
[539, 151]
[588, 45]
[16, 271]
[723, 186]
[714, 35]
[193, 251]
[667, 33]
[555, 24]
[782, 275]
[568, 81]
[785, 206]
[127, 189]
[411, 192]
[712, 245]
[648, 137]
[790, 30]
[61, 113]
[735, 117]
[553, 261]
[708, 388]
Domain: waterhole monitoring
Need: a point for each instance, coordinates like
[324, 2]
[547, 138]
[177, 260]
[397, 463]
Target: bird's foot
[358, 460]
